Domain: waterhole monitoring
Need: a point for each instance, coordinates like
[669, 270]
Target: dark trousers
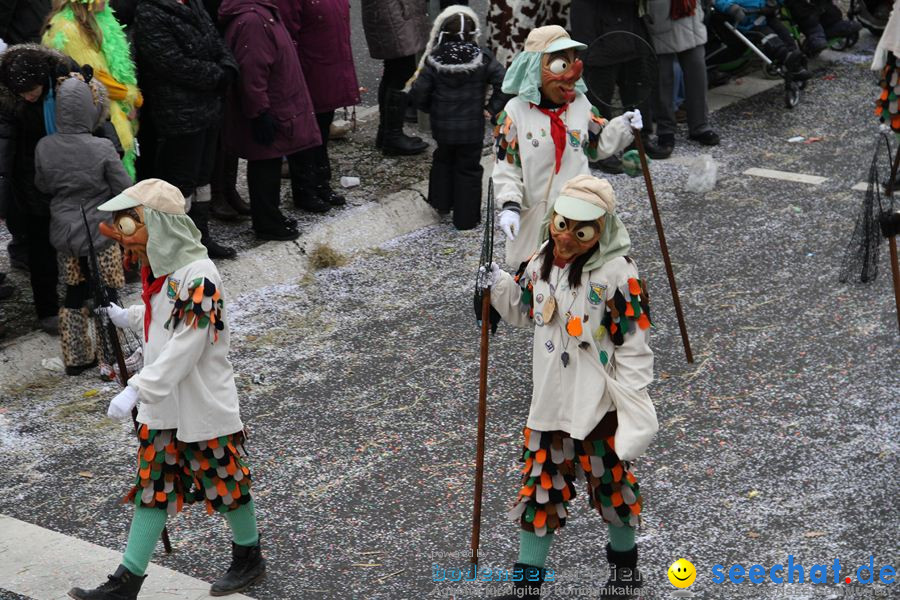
[397, 72]
[264, 184]
[186, 161]
[693, 65]
[774, 39]
[636, 89]
[455, 182]
[16, 223]
[42, 265]
[323, 165]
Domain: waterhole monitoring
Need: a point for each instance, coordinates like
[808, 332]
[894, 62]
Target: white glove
[509, 223]
[117, 314]
[121, 405]
[490, 278]
[634, 119]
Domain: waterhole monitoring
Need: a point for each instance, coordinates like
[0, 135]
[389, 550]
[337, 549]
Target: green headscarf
[173, 241]
[523, 78]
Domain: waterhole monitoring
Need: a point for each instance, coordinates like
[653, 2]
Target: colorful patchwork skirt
[553, 461]
[172, 473]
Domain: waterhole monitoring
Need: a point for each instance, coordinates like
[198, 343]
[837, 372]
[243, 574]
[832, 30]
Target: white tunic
[575, 398]
[535, 185]
[187, 382]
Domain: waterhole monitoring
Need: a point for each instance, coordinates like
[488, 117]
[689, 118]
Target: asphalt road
[359, 385]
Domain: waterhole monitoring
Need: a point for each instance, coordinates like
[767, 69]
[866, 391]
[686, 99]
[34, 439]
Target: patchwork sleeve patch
[506, 141]
[199, 305]
[526, 299]
[595, 129]
[627, 310]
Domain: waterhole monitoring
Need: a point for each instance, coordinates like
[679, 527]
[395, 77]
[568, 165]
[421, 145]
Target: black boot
[394, 142]
[304, 183]
[199, 214]
[323, 188]
[815, 41]
[624, 578]
[121, 585]
[530, 586]
[247, 567]
[795, 63]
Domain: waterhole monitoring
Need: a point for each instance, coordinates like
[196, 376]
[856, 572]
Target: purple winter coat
[270, 81]
[321, 31]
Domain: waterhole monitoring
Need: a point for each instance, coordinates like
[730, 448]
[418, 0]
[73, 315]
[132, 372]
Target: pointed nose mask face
[573, 238]
[129, 230]
[559, 73]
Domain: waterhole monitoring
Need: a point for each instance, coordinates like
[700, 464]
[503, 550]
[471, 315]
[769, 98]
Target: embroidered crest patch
[596, 294]
[549, 345]
[538, 319]
[172, 288]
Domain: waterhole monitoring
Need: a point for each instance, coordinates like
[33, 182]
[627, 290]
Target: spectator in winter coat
[592, 19]
[450, 85]
[185, 69]
[21, 22]
[26, 73]
[321, 31]
[678, 33]
[80, 172]
[270, 115]
[395, 31]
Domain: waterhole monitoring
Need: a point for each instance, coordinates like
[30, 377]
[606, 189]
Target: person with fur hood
[450, 85]
[27, 74]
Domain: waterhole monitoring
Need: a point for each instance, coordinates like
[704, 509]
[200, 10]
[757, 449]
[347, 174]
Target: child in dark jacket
[450, 84]
[79, 171]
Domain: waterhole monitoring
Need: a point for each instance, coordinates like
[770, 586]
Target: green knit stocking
[533, 549]
[243, 525]
[621, 539]
[146, 527]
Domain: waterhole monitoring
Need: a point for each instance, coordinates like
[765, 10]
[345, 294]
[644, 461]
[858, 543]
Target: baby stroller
[872, 14]
[735, 50]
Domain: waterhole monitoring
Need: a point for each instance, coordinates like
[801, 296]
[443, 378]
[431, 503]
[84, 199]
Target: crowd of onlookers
[184, 88]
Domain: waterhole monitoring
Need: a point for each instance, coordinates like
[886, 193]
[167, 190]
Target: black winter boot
[121, 585]
[247, 567]
[795, 63]
[199, 214]
[530, 586]
[624, 578]
[842, 28]
[305, 184]
[324, 190]
[394, 142]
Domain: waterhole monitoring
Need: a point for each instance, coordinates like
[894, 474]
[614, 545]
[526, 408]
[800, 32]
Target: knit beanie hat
[26, 71]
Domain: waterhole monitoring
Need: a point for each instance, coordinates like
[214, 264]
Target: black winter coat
[451, 88]
[21, 21]
[592, 18]
[183, 63]
[21, 127]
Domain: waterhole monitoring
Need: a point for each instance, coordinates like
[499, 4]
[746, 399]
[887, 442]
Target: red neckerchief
[148, 289]
[557, 130]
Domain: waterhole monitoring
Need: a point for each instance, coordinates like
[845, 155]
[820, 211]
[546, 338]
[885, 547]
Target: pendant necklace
[572, 325]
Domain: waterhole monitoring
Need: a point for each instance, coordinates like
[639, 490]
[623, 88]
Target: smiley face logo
[682, 573]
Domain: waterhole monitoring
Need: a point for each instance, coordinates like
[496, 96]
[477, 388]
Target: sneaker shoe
[707, 138]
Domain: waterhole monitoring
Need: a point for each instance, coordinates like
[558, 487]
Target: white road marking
[44, 565]
[786, 176]
[862, 186]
